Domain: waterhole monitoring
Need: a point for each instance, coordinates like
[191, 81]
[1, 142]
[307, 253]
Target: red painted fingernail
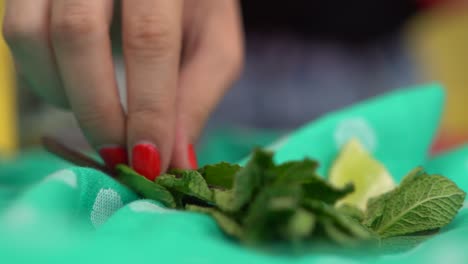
[192, 157]
[146, 160]
[113, 156]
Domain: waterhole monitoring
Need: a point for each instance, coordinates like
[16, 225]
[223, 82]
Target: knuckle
[17, 30]
[149, 36]
[75, 23]
[151, 110]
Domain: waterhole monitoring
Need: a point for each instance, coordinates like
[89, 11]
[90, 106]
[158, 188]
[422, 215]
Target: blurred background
[304, 59]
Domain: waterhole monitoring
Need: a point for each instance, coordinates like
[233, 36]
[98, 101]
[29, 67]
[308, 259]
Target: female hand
[180, 57]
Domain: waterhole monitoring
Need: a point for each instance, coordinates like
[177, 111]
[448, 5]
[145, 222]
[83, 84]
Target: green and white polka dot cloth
[79, 215]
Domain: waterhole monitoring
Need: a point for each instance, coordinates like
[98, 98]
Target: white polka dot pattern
[107, 202]
[65, 176]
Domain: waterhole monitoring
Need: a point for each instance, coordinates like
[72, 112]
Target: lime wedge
[370, 178]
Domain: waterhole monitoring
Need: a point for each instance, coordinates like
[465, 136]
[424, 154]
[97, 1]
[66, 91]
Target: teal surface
[54, 213]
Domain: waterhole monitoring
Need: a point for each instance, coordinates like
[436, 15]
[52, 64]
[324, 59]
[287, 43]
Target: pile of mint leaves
[263, 203]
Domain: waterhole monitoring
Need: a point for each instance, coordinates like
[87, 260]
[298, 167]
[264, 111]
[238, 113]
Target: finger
[83, 50]
[151, 44]
[25, 28]
[212, 63]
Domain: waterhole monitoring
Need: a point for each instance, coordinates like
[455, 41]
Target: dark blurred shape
[350, 21]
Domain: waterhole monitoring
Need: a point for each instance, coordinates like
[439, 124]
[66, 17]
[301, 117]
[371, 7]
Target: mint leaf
[304, 173]
[422, 202]
[375, 209]
[319, 189]
[299, 226]
[227, 224]
[144, 187]
[340, 227]
[412, 175]
[336, 233]
[220, 175]
[294, 172]
[351, 211]
[189, 183]
[401, 243]
[223, 199]
[271, 211]
[247, 181]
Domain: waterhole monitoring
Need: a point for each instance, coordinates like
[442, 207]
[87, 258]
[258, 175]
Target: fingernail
[192, 157]
[146, 160]
[113, 156]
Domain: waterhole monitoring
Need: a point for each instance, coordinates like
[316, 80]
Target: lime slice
[370, 178]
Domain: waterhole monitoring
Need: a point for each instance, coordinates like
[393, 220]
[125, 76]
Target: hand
[180, 57]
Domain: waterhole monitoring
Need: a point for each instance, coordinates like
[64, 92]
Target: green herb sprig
[264, 203]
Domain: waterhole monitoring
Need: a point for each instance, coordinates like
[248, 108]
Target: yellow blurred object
[8, 122]
[369, 177]
[439, 41]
